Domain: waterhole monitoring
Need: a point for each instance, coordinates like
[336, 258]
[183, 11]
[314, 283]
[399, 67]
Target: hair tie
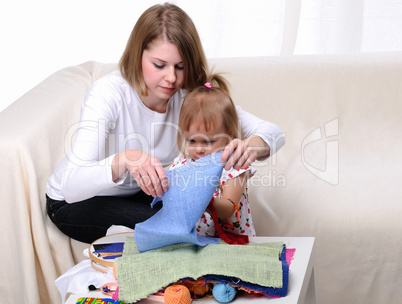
[208, 85]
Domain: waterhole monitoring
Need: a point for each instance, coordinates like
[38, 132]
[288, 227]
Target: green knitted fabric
[142, 274]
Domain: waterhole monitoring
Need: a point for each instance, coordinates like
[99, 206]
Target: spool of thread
[177, 294]
[223, 293]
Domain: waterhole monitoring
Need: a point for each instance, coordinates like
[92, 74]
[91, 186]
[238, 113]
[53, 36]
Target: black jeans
[89, 220]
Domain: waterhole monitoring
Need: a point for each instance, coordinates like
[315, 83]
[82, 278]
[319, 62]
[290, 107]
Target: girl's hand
[147, 171]
[245, 152]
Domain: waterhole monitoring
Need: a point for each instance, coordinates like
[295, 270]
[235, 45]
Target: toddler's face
[200, 142]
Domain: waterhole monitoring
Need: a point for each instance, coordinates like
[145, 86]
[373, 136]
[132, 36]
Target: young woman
[128, 130]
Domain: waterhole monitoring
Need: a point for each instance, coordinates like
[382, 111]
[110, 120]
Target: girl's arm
[231, 194]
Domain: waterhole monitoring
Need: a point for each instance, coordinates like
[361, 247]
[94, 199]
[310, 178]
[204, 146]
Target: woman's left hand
[245, 152]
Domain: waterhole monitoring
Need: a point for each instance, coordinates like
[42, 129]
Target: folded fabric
[266, 290]
[191, 188]
[140, 275]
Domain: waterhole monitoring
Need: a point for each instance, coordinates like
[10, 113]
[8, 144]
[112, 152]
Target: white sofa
[338, 178]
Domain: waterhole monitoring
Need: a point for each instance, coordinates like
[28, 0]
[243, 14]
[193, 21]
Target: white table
[301, 276]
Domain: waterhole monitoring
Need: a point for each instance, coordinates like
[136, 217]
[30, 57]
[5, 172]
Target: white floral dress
[242, 225]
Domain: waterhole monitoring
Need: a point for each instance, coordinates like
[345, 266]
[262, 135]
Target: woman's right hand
[147, 171]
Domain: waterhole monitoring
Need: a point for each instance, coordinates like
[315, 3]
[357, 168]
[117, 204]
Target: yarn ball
[177, 294]
[197, 288]
[223, 293]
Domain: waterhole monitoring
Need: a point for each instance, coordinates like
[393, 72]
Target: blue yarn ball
[223, 293]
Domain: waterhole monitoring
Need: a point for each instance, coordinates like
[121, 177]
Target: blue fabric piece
[269, 291]
[110, 248]
[191, 188]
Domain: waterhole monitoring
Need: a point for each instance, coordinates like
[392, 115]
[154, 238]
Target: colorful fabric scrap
[96, 301]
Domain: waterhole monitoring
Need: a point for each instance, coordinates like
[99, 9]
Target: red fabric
[227, 237]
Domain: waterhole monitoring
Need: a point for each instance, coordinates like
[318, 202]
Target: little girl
[208, 121]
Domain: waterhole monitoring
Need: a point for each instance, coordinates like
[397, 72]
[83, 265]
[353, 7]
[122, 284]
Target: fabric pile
[166, 248]
[256, 268]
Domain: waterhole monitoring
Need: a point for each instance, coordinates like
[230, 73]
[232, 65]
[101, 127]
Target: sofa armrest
[32, 135]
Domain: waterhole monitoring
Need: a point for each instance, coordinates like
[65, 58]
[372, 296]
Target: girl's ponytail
[215, 80]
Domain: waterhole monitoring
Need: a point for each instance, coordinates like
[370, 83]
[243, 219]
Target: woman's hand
[245, 152]
[147, 171]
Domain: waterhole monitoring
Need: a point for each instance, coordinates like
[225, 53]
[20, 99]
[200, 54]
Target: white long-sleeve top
[114, 119]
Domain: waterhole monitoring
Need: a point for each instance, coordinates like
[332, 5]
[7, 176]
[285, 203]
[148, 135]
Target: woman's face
[163, 72]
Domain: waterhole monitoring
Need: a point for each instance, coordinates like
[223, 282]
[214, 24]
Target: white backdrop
[43, 36]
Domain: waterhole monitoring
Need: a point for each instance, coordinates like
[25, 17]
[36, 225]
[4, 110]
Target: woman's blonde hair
[205, 105]
[164, 21]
